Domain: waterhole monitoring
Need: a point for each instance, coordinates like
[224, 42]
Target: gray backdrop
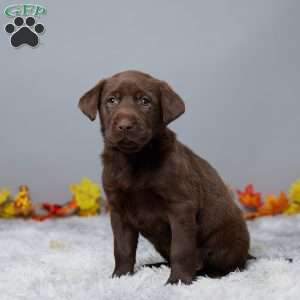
[236, 64]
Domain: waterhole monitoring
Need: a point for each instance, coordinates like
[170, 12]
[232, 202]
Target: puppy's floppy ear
[171, 104]
[88, 103]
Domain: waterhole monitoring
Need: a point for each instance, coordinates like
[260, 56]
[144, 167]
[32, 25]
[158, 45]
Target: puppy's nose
[125, 125]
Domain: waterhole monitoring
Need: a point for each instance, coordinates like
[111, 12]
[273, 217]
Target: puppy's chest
[146, 212]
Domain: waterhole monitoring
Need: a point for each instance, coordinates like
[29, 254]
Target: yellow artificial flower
[86, 195]
[22, 203]
[294, 192]
[294, 197]
[4, 195]
[293, 208]
[8, 210]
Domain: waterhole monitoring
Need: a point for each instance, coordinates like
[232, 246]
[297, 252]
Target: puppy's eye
[144, 100]
[112, 100]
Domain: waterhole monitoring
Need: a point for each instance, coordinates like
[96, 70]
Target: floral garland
[85, 201]
[288, 204]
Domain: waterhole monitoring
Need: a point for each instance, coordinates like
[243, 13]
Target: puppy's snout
[125, 124]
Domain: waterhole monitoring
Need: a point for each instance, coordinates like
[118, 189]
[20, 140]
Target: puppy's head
[133, 107]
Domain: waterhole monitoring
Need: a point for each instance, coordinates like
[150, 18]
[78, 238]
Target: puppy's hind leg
[225, 252]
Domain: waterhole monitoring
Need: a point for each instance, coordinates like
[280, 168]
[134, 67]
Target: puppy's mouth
[127, 143]
[128, 146]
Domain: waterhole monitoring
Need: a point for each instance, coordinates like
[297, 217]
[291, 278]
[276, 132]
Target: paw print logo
[24, 32]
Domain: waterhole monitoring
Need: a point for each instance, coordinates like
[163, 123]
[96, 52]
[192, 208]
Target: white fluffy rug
[72, 258]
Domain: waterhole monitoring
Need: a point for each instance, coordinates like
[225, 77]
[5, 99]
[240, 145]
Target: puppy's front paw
[183, 279]
[121, 271]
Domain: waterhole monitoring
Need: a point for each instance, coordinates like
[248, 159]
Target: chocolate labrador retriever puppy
[158, 187]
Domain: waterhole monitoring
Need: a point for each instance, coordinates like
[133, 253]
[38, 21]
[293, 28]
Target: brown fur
[158, 187]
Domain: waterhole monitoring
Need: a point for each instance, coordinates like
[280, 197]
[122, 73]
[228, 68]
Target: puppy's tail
[167, 264]
[157, 265]
[251, 257]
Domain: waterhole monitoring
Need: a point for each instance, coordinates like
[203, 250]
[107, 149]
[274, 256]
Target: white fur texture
[72, 258]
